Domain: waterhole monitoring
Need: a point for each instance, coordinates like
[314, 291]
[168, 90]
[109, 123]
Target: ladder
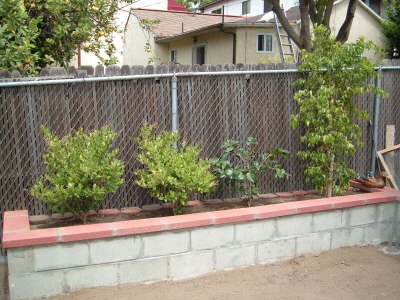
[285, 44]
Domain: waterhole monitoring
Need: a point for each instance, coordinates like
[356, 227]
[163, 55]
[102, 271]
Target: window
[199, 55]
[267, 6]
[246, 7]
[174, 57]
[264, 42]
[217, 11]
[375, 5]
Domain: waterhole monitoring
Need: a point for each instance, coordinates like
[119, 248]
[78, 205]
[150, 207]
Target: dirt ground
[346, 273]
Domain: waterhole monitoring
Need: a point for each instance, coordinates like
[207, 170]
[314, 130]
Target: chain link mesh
[211, 109]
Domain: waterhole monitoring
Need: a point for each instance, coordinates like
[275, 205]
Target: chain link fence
[211, 108]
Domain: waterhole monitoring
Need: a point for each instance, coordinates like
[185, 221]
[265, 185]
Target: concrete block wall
[45, 270]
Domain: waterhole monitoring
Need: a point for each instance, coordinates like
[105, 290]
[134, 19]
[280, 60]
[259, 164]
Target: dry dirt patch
[346, 273]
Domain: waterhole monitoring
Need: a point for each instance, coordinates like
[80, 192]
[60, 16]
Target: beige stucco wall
[135, 39]
[218, 48]
[247, 46]
[364, 24]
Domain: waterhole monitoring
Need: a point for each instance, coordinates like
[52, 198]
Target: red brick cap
[16, 231]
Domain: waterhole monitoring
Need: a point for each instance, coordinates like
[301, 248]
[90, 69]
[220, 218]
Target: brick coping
[17, 233]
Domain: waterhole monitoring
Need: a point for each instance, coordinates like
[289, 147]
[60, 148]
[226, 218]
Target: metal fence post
[377, 102]
[174, 103]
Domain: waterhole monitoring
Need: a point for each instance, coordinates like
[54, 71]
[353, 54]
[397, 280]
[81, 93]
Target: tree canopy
[36, 33]
[391, 26]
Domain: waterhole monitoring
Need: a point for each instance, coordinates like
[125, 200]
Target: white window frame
[265, 42]
[176, 55]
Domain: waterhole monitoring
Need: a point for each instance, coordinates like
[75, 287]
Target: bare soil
[211, 205]
[347, 273]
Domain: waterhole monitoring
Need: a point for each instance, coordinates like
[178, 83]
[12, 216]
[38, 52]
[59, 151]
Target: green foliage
[36, 33]
[240, 167]
[193, 4]
[171, 172]
[80, 169]
[336, 73]
[17, 37]
[391, 25]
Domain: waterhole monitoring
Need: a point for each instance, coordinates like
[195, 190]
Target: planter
[52, 261]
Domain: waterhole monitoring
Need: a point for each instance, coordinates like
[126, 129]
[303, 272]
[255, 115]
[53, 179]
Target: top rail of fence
[157, 76]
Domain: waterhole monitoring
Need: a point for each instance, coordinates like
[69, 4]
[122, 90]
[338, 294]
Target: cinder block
[313, 243]
[226, 258]
[327, 220]
[360, 215]
[20, 260]
[378, 233]
[58, 256]
[386, 212]
[347, 237]
[91, 276]
[255, 231]
[165, 243]
[190, 265]
[272, 251]
[115, 249]
[294, 225]
[36, 285]
[144, 270]
[212, 237]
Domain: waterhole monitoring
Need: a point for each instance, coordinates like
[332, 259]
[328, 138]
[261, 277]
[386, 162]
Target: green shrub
[240, 167]
[171, 172]
[80, 169]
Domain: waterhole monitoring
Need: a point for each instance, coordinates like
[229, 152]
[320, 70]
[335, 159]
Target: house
[198, 38]
[243, 7]
[203, 38]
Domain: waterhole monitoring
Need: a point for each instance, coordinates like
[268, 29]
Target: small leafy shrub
[240, 167]
[172, 172]
[80, 169]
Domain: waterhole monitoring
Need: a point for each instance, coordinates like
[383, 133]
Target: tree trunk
[329, 184]
[344, 31]
[305, 33]
[285, 23]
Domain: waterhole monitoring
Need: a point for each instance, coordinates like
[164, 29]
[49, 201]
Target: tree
[391, 26]
[314, 12]
[193, 4]
[37, 33]
[336, 73]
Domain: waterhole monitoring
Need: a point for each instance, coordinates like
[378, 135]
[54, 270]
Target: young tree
[314, 12]
[391, 26]
[336, 73]
[36, 33]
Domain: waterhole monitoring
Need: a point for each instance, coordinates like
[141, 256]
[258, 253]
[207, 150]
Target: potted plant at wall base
[240, 167]
[80, 169]
[172, 170]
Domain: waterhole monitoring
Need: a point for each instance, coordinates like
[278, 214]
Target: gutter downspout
[233, 37]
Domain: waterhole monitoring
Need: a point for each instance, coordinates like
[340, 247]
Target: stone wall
[45, 270]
